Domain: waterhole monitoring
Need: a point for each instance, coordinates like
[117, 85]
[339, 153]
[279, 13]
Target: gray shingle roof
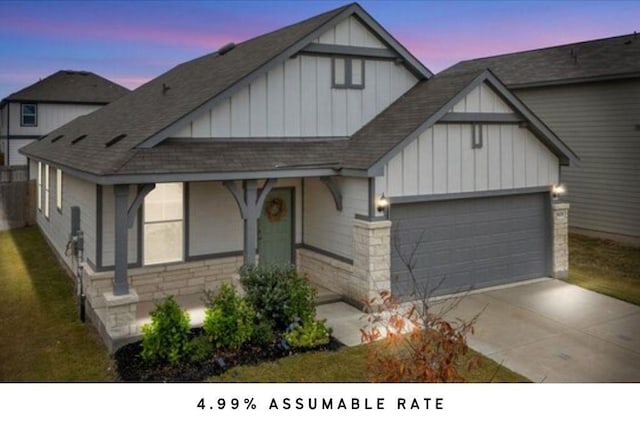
[360, 151]
[220, 155]
[70, 87]
[151, 108]
[111, 141]
[608, 58]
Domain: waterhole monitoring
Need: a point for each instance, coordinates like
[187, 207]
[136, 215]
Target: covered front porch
[321, 224]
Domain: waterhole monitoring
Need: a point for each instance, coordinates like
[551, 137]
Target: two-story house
[38, 109]
[325, 144]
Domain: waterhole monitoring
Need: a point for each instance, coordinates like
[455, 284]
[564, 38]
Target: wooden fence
[17, 198]
[10, 174]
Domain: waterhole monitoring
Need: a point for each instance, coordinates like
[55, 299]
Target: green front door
[275, 228]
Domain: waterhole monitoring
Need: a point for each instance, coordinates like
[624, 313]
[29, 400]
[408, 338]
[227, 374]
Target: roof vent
[57, 138]
[115, 140]
[78, 139]
[574, 55]
[226, 48]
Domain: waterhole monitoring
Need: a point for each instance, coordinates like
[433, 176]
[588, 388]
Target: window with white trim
[46, 191]
[59, 190]
[348, 73]
[28, 115]
[164, 224]
[39, 179]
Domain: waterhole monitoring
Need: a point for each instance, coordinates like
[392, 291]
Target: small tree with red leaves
[412, 342]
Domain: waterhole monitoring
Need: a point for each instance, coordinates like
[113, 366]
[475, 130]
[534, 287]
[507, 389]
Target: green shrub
[228, 319]
[166, 339]
[200, 348]
[262, 333]
[301, 305]
[308, 335]
[279, 294]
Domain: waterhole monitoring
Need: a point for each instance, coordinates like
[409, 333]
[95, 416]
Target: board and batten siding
[350, 32]
[599, 122]
[482, 99]
[215, 223]
[295, 99]
[57, 227]
[50, 117]
[3, 129]
[327, 228]
[12, 156]
[441, 159]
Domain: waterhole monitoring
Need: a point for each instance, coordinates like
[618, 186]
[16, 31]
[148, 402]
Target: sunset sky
[132, 42]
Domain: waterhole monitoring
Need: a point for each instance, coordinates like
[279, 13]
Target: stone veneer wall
[560, 233]
[114, 316]
[371, 258]
[368, 275]
[327, 272]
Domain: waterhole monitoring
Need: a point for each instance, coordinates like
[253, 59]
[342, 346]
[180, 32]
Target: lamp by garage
[383, 203]
[557, 191]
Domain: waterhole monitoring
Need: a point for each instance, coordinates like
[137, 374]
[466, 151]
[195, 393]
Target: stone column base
[560, 235]
[371, 258]
[119, 316]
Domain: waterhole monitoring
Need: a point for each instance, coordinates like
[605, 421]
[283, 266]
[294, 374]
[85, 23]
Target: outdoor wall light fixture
[383, 203]
[557, 191]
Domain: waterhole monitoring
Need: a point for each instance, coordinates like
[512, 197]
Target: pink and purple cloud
[131, 42]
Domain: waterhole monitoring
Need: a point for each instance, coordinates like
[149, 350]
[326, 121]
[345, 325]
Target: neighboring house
[48, 104]
[589, 94]
[286, 146]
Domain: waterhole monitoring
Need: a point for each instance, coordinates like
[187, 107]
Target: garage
[467, 244]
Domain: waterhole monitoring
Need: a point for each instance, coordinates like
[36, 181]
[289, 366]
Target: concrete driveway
[551, 331]
[546, 330]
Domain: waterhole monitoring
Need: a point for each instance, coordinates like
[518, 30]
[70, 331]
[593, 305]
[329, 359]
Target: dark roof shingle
[70, 87]
[613, 57]
[172, 96]
[220, 156]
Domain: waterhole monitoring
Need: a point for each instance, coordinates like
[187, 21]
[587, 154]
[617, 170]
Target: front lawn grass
[346, 365]
[605, 266]
[41, 336]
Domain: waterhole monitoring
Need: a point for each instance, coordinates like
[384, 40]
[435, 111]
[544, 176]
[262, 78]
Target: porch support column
[120, 284]
[250, 201]
[143, 191]
[251, 221]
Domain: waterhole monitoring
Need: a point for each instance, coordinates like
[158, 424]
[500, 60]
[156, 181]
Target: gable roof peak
[69, 86]
[170, 101]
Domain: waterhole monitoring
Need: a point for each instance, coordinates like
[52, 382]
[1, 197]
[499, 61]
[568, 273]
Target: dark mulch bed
[132, 368]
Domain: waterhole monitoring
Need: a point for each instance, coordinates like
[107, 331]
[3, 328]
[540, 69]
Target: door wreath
[276, 209]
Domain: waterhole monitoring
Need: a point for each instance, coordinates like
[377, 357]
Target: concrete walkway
[548, 331]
